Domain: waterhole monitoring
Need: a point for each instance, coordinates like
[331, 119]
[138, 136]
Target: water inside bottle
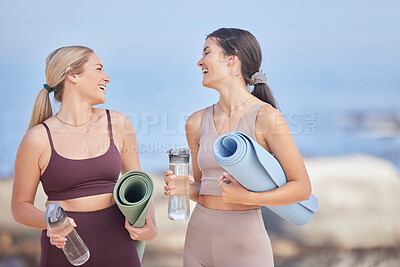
[181, 184]
[178, 207]
[75, 249]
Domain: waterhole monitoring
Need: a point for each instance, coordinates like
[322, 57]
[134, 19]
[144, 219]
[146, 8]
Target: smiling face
[92, 82]
[214, 64]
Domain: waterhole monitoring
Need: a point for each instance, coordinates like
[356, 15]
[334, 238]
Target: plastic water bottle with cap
[178, 206]
[75, 249]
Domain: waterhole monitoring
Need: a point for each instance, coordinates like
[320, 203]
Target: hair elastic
[258, 77]
[48, 88]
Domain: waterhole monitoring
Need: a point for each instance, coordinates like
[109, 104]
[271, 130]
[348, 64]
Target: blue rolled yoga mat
[257, 170]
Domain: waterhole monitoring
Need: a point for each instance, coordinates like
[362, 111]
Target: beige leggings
[217, 238]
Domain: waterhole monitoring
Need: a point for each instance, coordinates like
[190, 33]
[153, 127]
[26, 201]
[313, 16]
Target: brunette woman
[226, 227]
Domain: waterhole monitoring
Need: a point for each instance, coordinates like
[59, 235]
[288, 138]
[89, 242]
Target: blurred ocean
[330, 112]
[332, 66]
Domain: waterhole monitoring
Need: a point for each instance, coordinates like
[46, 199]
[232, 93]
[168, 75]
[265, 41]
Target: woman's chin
[99, 102]
[206, 83]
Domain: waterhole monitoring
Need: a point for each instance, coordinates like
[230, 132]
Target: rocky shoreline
[358, 223]
[23, 251]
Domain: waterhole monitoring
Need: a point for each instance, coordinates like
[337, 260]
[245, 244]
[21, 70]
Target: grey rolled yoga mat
[257, 170]
[132, 193]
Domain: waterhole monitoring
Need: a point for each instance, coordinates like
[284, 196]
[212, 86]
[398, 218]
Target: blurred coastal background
[333, 67]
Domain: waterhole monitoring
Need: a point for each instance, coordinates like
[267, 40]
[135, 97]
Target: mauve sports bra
[72, 178]
[208, 166]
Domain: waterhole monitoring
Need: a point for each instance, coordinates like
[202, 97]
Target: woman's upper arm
[192, 128]
[274, 133]
[27, 167]
[128, 143]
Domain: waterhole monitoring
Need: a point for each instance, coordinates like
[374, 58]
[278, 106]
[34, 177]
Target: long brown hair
[245, 46]
[57, 62]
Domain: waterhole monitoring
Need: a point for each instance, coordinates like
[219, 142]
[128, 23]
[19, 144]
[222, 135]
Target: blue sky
[160, 41]
[318, 55]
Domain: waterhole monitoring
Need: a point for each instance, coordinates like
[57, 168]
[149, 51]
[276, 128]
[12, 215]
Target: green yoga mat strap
[133, 193]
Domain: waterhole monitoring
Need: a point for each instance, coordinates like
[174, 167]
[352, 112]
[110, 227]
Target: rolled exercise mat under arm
[257, 170]
[132, 193]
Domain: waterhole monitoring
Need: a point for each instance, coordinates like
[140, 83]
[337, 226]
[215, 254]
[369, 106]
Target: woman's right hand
[57, 240]
[169, 175]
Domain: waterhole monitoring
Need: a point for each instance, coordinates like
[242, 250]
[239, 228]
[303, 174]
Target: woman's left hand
[232, 190]
[146, 233]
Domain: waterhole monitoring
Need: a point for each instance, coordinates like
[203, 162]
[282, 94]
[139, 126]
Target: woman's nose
[106, 78]
[200, 62]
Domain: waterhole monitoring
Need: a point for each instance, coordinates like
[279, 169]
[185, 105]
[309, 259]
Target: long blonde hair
[57, 62]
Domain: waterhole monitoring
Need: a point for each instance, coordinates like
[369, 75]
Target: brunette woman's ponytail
[262, 92]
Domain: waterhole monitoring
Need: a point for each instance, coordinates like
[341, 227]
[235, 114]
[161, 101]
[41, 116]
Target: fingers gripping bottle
[178, 206]
[75, 249]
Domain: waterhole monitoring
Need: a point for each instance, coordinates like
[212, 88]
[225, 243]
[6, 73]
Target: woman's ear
[233, 60]
[235, 64]
[70, 75]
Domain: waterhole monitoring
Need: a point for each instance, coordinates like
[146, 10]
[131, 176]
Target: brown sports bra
[72, 178]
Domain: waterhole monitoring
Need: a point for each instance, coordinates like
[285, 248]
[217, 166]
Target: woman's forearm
[194, 190]
[27, 214]
[290, 193]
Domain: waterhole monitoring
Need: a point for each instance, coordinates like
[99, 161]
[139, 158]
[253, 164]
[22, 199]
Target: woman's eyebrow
[205, 48]
[99, 64]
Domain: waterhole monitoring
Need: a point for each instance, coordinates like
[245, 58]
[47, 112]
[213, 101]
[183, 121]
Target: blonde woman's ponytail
[41, 109]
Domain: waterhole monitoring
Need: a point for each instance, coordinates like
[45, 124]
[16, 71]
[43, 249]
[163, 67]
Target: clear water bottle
[178, 205]
[75, 249]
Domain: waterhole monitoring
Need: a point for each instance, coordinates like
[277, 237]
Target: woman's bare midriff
[89, 203]
[217, 203]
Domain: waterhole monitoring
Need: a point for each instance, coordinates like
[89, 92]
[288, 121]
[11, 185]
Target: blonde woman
[78, 155]
[226, 227]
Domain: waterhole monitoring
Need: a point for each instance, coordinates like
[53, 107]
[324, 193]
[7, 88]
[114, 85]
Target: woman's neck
[233, 97]
[74, 109]
[75, 113]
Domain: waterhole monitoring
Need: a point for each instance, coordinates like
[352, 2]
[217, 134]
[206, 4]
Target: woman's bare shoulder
[35, 139]
[194, 120]
[117, 118]
[268, 115]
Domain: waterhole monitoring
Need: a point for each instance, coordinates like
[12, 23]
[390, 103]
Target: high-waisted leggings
[104, 233]
[217, 238]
